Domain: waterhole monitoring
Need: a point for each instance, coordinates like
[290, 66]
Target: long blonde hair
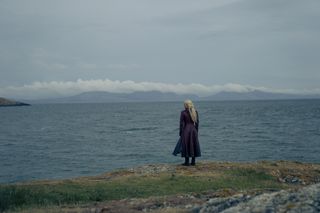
[189, 106]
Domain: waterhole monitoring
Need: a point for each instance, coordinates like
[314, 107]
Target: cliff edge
[265, 186]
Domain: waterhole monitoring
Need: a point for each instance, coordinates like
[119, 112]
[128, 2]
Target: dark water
[70, 140]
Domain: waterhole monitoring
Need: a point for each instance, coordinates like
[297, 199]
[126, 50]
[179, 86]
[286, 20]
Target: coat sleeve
[197, 124]
[181, 124]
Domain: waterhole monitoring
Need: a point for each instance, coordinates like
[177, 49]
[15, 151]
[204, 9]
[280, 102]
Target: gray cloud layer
[271, 43]
[53, 89]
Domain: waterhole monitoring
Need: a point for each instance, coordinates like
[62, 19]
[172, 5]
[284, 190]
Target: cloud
[52, 89]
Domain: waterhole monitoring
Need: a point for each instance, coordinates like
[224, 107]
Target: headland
[7, 103]
[274, 186]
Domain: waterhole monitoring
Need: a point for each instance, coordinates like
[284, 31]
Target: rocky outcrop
[7, 102]
[305, 200]
[301, 182]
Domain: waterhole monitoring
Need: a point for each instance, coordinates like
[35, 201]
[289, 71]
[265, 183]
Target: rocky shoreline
[302, 195]
[305, 199]
[298, 191]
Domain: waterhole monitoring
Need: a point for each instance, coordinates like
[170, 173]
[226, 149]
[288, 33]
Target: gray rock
[305, 200]
[219, 204]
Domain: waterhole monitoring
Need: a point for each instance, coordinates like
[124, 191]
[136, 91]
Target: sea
[59, 141]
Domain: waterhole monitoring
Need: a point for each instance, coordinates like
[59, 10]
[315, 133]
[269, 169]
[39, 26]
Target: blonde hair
[189, 106]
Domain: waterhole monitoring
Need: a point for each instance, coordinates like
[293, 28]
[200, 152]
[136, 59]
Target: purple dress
[189, 135]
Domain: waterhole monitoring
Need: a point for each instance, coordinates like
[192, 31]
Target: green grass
[242, 179]
[75, 192]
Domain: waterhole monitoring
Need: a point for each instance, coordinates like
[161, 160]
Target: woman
[189, 125]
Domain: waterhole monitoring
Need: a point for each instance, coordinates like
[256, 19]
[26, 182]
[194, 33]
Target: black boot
[186, 162]
[193, 161]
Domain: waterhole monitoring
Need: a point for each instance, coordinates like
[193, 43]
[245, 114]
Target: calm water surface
[69, 140]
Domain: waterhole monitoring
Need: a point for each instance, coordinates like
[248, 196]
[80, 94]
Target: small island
[6, 102]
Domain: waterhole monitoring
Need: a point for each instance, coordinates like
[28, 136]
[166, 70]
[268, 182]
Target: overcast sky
[203, 46]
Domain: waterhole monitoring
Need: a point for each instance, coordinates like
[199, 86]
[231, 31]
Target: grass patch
[77, 192]
[242, 179]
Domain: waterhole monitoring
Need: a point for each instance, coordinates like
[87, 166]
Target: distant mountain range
[257, 95]
[107, 97]
[155, 96]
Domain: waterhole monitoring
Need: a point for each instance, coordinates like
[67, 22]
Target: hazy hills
[257, 95]
[154, 96]
[106, 97]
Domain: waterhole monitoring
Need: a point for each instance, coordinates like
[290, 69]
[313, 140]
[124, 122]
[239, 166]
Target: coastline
[162, 188]
[10, 103]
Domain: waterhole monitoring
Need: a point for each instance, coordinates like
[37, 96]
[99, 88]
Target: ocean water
[55, 141]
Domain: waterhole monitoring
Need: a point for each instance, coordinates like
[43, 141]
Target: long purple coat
[189, 135]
